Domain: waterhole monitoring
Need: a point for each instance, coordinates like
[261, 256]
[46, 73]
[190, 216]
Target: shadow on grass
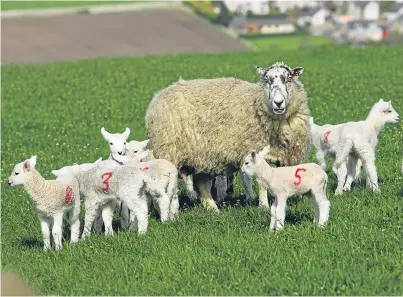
[32, 243]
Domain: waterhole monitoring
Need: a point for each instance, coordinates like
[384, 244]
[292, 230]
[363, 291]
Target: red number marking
[106, 180]
[144, 168]
[69, 195]
[297, 183]
[326, 137]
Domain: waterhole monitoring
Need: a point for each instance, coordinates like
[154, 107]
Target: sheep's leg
[107, 216]
[263, 200]
[174, 207]
[247, 183]
[351, 174]
[221, 187]
[74, 221]
[203, 184]
[320, 156]
[368, 161]
[273, 207]
[341, 178]
[280, 212]
[45, 227]
[57, 230]
[91, 211]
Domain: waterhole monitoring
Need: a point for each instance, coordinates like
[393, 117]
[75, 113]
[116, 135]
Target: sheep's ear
[144, 143]
[263, 153]
[126, 133]
[260, 70]
[105, 133]
[297, 71]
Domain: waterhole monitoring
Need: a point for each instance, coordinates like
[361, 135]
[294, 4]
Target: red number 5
[297, 183]
[106, 180]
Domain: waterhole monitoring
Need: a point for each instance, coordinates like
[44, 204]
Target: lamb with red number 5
[284, 182]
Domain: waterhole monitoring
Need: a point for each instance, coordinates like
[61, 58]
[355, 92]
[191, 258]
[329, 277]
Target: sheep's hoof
[210, 205]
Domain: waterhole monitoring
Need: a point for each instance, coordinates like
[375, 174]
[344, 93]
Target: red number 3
[297, 183]
[326, 140]
[106, 180]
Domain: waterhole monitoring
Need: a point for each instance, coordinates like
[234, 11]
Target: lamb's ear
[126, 133]
[297, 71]
[105, 133]
[143, 155]
[55, 172]
[381, 100]
[30, 163]
[253, 155]
[263, 153]
[144, 143]
[260, 70]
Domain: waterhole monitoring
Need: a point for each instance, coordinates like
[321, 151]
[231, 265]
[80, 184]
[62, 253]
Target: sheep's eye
[110, 143]
[16, 173]
[135, 152]
[246, 163]
[389, 111]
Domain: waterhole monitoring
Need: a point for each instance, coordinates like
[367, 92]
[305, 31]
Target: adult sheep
[209, 125]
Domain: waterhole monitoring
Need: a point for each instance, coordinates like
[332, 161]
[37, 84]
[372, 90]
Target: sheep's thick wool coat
[211, 124]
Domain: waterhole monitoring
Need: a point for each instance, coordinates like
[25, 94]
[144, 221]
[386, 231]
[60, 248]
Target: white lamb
[358, 141]
[325, 140]
[284, 182]
[163, 173]
[117, 141]
[53, 199]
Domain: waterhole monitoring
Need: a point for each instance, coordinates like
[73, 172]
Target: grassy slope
[284, 42]
[8, 5]
[56, 112]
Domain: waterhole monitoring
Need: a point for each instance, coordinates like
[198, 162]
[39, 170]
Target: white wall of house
[284, 5]
[319, 18]
[371, 11]
[391, 16]
[256, 6]
[281, 28]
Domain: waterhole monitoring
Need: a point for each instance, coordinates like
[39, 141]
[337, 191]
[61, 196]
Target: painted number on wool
[298, 177]
[105, 180]
[69, 195]
[144, 168]
[326, 140]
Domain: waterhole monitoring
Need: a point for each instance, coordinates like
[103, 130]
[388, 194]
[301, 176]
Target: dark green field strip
[56, 111]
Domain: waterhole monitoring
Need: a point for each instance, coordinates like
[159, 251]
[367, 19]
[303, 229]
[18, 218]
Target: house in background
[364, 10]
[256, 7]
[393, 12]
[263, 25]
[313, 16]
[363, 31]
[286, 5]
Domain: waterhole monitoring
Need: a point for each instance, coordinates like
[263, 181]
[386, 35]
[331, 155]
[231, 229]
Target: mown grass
[288, 42]
[8, 5]
[56, 111]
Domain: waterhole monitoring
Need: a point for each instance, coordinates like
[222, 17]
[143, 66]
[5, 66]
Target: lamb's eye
[135, 152]
[246, 163]
[16, 173]
[125, 143]
[389, 111]
[110, 143]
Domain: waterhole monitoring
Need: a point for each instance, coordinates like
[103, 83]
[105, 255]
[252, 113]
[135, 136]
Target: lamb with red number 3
[53, 199]
[284, 182]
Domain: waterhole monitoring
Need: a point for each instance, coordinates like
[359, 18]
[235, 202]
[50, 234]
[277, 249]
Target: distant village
[356, 22]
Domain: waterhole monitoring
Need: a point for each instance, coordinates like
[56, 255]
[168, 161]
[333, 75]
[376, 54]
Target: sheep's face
[135, 147]
[17, 177]
[278, 80]
[117, 141]
[387, 111]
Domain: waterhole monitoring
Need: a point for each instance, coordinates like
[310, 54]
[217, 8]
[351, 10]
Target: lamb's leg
[141, 213]
[45, 227]
[315, 207]
[98, 222]
[247, 182]
[322, 204]
[263, 200]
[124, 215]
[203, 184]
[74, 221]
[91, 211]
[351, 174]
[358, 171]
[341, 178]
[107, 216]
[273, 207]
[368, 162]
[280, 212]
[57, 229]
[174, 207]
[221, 187]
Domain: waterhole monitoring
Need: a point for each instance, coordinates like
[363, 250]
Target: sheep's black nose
[120, 153]
[279, 103]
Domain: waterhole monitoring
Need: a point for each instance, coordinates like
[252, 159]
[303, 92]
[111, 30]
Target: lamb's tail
[342, 156]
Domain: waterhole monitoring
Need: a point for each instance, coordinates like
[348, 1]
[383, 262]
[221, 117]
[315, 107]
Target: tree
[224, 17]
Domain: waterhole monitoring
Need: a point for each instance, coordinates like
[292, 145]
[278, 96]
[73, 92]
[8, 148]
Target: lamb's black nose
[120, 153]
[9, 183]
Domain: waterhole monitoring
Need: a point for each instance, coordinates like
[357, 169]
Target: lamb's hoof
[338, 192]
[264, 206]
[376, 190]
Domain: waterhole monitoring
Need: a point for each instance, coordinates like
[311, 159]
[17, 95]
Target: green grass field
[56, 111]
[288, 42]
[8, 5]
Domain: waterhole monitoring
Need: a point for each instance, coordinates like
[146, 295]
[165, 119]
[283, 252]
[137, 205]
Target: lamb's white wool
[135, 147]
[358, 141]
[165, 175]
[116, 141]
[284, 182]
[325, 140]
[53, 199]
[66, 170]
